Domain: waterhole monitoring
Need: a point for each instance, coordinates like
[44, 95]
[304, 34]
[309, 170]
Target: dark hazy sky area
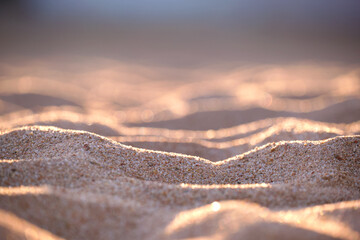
[183, 33]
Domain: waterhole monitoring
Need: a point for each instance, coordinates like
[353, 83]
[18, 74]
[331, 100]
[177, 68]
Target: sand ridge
[80, 174]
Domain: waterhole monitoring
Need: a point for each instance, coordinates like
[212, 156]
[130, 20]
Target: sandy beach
[108, 150]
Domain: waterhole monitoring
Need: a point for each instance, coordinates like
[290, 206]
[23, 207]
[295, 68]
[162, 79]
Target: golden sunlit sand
[121, 152]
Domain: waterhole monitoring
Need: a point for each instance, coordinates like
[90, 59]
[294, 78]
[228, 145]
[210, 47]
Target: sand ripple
[244, 154]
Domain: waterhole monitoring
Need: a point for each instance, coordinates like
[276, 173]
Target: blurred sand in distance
[101, 149]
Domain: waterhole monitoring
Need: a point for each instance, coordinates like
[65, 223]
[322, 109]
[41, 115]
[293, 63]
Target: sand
[240, 154]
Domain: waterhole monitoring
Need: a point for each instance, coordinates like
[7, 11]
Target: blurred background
[183, 33]
[146, 61]
[203, 77]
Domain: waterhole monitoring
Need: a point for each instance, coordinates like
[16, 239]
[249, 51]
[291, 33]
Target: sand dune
[117, 151]
[95, 169]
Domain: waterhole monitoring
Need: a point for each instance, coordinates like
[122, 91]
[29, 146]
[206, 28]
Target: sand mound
[74, 170]
[244, 154]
